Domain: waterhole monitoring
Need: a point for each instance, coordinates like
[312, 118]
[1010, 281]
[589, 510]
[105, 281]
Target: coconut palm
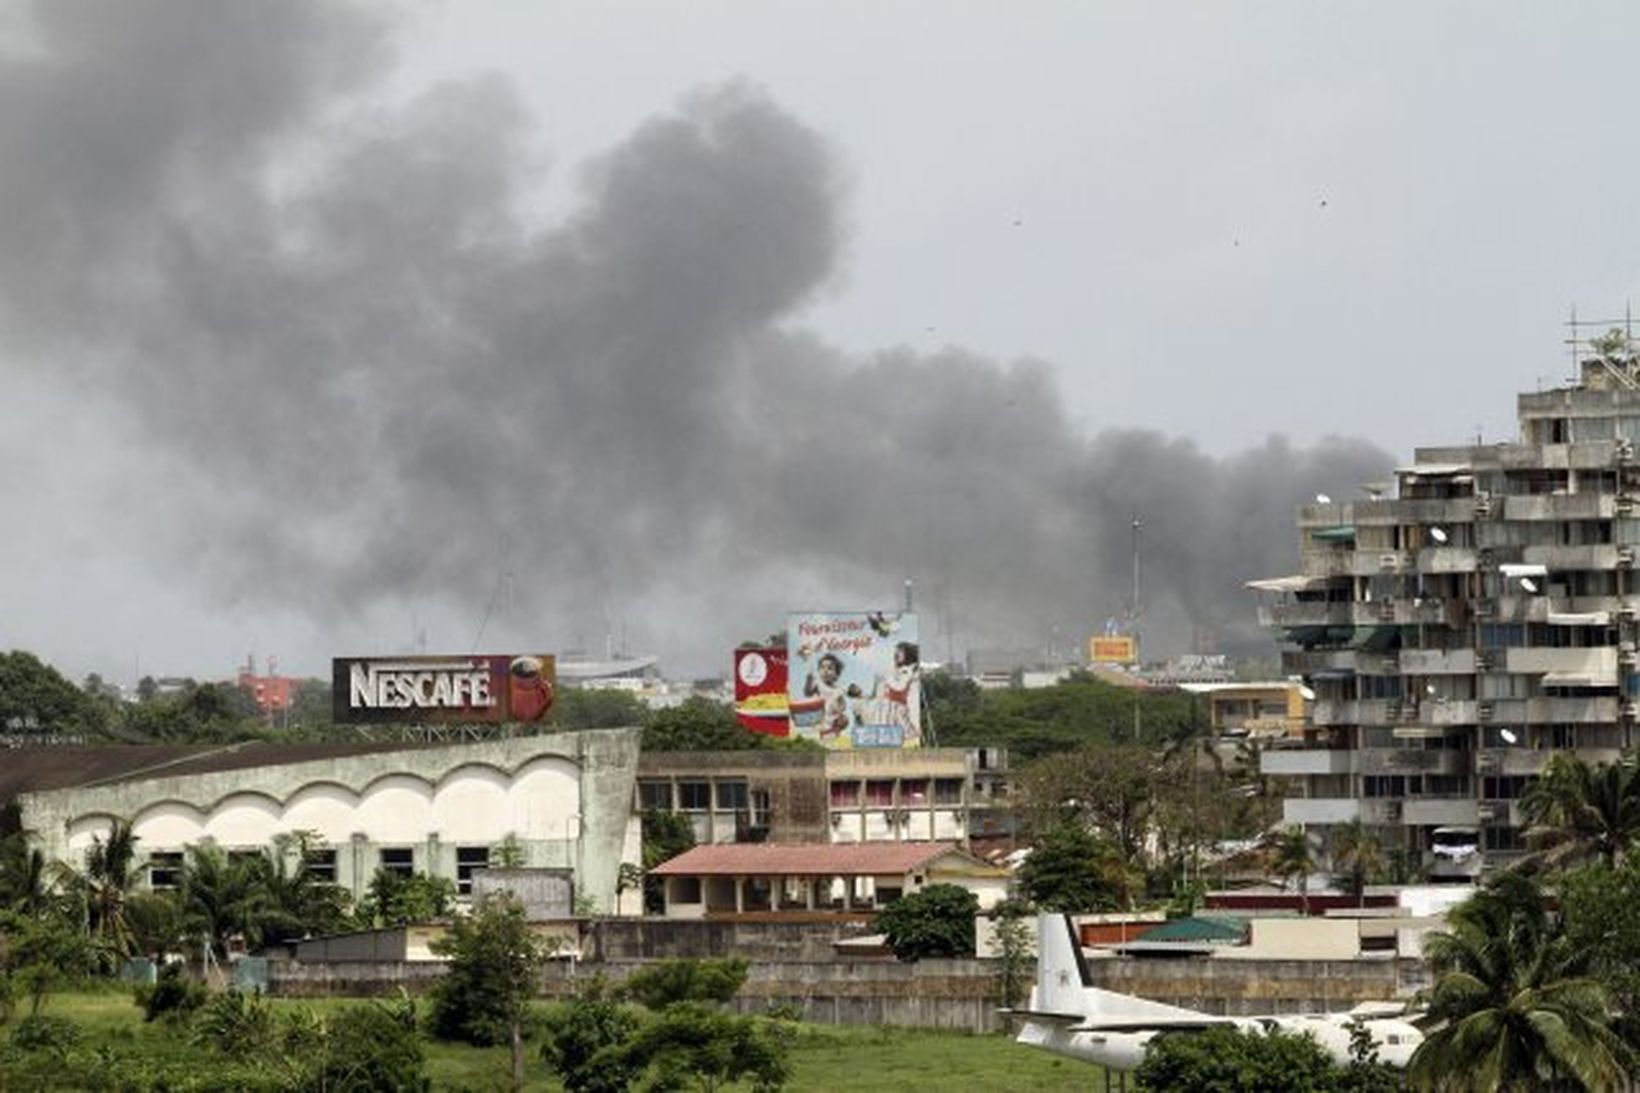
[110, 874]
[1357, 856]
[1513, 1005]
[1576, 812]
[28, 884]
[222, 896]
[1292, 859]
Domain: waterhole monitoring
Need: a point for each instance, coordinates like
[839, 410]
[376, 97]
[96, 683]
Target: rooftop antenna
[908, 595]
[1133, 604]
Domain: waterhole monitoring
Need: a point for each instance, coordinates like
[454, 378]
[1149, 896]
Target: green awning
[1344, 533]
[1375, 639]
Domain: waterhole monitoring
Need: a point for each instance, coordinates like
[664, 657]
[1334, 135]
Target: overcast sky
[322, 328]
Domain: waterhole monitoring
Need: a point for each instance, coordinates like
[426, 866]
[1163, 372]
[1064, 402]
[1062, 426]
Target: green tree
[494, 962]
[595, 708]
[1577, 812]
[1514, 1004]
[937, 921]
[28, 884]
[687, 980]
[1357, 857]
[298, 904]
[38, 955]
[222, 897]
[586, 1042]
[370, 1047]
[665, 836]
[1292, 858]
[1601, 911]
[691, 1041]
[699, 724]
[1013, 942]
[1113, 789]
[394, 899]
[1228, 1060]
[35, 699]
[111, 872]
[1074, 870]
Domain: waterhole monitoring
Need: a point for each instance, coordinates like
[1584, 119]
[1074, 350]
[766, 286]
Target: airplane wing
[1045, 1015]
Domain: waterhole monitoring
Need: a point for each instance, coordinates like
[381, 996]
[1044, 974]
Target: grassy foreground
[873, 1060]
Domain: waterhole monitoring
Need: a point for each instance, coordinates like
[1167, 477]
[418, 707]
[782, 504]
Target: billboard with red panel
[761, 702]
[420, 690]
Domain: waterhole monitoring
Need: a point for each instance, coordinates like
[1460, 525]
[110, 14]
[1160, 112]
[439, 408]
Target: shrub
[685, 980]
[238, 1025]
[937, 921]
[371, 1047]
[174, 994]
[43, 1033]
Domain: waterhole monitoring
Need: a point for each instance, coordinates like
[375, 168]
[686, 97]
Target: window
[165, 870]
[469, 860]
[683, 889]
[880, 793]
[913, 791]
[1505, 787]
[320, 865]
[694, 796]
[732, 796]
[397, 859]
[654, 795]
[845, 795]
[1504, 838]
[948, 791]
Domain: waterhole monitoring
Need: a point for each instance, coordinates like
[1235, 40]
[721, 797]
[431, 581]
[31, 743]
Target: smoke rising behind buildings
[358, 373]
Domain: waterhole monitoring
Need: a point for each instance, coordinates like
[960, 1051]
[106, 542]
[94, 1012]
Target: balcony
[1560, 506]
[1594, 556]
[1446, 560]
[1597, 665]
[1296, 762]
[1440, 812]
[1412, 761]
[1437, 662]
[1450, 711]
[1320, 810]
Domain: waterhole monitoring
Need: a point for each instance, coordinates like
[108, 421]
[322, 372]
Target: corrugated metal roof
[812, 859]
[33, 770]
[1197, 929]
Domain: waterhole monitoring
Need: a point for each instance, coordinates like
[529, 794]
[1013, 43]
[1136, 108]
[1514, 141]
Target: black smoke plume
[334, 312]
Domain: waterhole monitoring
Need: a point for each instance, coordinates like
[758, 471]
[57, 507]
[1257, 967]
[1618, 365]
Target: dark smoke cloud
[387, 385]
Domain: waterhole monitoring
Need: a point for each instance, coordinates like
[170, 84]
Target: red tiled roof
[805, 860]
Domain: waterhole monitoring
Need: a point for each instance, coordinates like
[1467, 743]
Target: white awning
[1434, 470]
[1580, 618]
[1299, 582]
[1515, 569]
[1575, 679]
[1422, 732]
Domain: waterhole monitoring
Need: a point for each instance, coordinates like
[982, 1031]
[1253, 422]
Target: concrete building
[563, 800]
[1465, 623]
[772, 877]
[864, 795]
[1275, 708]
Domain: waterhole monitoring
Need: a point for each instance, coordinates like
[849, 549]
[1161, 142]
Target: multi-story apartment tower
[1462, 624]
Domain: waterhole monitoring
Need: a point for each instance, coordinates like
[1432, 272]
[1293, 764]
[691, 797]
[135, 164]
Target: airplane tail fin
[1064, 984]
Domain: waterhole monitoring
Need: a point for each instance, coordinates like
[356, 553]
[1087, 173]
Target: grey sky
[300, 355]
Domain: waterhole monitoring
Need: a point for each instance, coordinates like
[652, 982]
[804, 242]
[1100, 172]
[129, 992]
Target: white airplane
[1069, 1016]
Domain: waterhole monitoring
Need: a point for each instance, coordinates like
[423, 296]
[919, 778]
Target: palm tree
[28, 885]
[1513, 1003]
[1292, 859]
[222, 896]
[1576, 812]
[1356, 855]
[110, 874]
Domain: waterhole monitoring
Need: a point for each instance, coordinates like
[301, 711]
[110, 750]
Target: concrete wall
[1241, 987]
[566, 797]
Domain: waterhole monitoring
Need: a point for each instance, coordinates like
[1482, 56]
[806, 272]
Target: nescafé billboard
[423, 690]
[855, 678]
[761, 700]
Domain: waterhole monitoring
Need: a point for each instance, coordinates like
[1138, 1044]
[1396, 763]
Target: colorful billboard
[761, 701]
[855, 679]
[1113, 649]
[422, 690]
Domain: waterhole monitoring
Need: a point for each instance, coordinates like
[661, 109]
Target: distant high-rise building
[1466, 622]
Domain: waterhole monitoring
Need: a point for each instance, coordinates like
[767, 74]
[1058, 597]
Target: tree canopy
[937, 921]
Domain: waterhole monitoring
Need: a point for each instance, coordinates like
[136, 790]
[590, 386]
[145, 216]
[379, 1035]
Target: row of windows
[693, 795]
[891, 792]
[165, 866]
[1415, 785]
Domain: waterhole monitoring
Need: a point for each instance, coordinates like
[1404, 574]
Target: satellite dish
[1528, 584]
[1509, 736]
[1438, 534]
[1429, 688]
[1323, 499]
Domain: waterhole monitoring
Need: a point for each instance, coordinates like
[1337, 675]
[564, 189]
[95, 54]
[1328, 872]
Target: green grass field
[873, 1060]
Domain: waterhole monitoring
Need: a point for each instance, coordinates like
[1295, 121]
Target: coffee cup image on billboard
[529, 692]
[834, 711]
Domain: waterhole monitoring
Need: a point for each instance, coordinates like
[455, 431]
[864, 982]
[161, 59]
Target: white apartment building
[1463, 623]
